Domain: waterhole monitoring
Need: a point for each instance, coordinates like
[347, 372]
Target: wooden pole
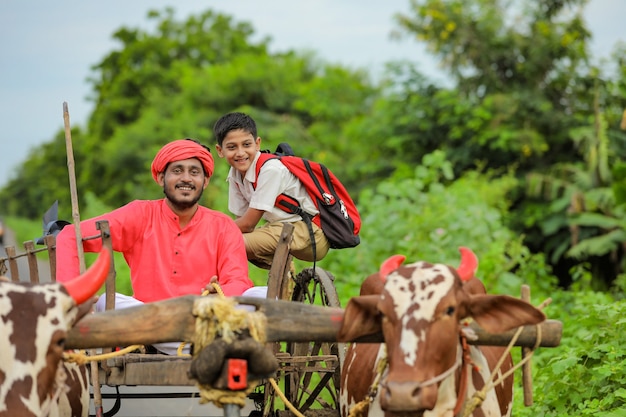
[97, 393]
[73, 191]
[172, 320]
[527, 376]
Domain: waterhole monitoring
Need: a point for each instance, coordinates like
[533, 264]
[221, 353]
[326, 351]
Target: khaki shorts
[261, 244]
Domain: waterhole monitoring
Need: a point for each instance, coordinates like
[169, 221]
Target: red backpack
[338, 216]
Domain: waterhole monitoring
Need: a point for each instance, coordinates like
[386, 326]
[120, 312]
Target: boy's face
[239, 148]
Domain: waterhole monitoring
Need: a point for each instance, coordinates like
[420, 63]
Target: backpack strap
[263, 158]
[267, 155]
[291, 205]
[284, 201]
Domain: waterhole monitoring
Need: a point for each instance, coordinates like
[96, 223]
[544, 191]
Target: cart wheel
[309, 373]
[312, 381]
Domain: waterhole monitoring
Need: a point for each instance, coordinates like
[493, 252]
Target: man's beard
[182, 205]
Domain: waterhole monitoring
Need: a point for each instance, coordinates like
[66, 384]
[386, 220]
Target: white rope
[445, 374]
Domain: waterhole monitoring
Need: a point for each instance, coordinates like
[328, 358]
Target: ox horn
[469, 264]
[392, 263]
[84, 286]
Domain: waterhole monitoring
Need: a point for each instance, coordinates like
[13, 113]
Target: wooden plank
[305, 359]
[134, 369]
[50, 242]
[157, 369]
[12, 255]
[171, 320]
[276, 283]
[105, 232]
[33, 267]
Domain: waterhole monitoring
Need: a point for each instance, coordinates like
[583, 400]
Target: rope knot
[220, 317]
[214, 317]
[476, 401]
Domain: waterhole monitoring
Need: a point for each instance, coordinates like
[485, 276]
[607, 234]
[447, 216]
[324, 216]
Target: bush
[427, 216]
[584, 376]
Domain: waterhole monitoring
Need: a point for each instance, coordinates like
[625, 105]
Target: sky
[47, 49]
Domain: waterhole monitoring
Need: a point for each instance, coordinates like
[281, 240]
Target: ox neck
[466, 364]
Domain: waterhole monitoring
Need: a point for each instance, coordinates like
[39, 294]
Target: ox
[34, 320]
[431, 371]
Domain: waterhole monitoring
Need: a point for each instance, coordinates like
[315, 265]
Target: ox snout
[407, 396]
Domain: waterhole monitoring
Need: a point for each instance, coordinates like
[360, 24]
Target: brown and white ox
[419, 309]
[34, 320]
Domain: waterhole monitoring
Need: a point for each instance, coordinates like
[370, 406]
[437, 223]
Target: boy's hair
[233, 121]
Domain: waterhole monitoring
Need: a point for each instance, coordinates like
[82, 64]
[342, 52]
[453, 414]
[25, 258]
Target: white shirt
[274, 179]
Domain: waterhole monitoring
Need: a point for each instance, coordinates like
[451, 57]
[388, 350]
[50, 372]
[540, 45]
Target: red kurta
[165, 261]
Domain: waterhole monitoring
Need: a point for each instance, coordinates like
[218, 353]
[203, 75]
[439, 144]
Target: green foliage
[490, 45]
[511, 65]
[175, 82]
[523, 74]
[584, 375]
[424, 219]
[153, 61]
[40, 182]
[583, 223]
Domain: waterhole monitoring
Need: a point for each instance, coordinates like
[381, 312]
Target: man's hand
[209, 288]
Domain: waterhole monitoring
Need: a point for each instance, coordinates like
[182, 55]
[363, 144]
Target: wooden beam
[287, 321]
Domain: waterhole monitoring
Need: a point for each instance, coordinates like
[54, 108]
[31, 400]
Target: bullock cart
[308, 369]
[301, 335]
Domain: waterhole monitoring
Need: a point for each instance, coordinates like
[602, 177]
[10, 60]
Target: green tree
[150, 65]
[583, 221]
[154, 61]
[523, 78]
[518, 70]
[177, 80]
[40, 181]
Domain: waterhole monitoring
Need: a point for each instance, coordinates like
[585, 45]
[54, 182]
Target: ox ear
[500, 313]
[360, 318]
[469, 264]
[372, 285]
[391, 264]
[474, 286]
[85, 286]
[85, 308]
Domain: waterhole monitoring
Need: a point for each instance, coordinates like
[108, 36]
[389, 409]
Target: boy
[238, 143]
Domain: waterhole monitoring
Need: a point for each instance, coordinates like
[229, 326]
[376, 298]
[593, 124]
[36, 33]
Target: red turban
[179, 150]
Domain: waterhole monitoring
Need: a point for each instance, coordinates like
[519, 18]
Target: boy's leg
[301, 246]
[261, 244]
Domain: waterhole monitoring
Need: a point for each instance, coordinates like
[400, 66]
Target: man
[173, 246]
